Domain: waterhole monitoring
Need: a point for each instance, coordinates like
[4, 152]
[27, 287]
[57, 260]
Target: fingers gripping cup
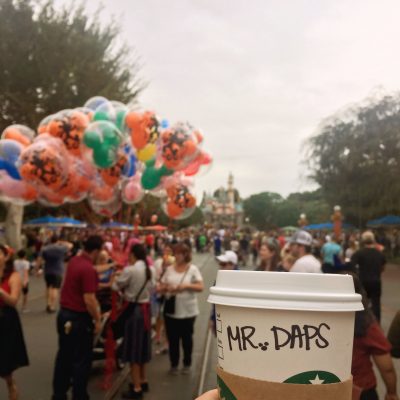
[284, 328]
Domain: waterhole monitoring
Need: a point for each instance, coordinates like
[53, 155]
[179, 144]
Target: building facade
[223, 209]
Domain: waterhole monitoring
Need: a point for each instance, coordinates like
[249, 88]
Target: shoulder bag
[169, 304]
[118, 326]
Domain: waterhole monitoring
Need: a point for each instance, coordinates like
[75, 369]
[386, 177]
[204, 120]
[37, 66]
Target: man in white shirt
[300, 248]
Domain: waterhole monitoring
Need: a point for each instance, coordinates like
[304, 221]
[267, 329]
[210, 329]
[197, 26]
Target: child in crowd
[22, 266]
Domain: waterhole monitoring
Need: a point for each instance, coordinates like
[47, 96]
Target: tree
[355, 158]
[57, 59]
[270, 210]
[261, 209]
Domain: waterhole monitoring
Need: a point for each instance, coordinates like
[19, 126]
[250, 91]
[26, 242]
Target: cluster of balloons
[106, 153]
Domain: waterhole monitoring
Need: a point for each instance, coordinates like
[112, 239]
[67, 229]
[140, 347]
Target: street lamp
[302, 222]
[337, 222]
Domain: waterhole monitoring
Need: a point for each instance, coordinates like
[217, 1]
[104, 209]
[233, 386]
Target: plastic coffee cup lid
[286, 291]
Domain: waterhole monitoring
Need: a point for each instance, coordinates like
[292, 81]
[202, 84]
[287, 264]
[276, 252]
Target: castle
[223, 209]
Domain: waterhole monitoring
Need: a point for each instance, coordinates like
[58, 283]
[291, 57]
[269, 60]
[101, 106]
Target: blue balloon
[11, 169]
[130, 168]
[95, 102]
[164, 124]
[10, 150]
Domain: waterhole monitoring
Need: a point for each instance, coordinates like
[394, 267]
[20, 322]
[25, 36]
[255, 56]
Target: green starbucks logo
[304, 378]
[224, 392]
[313, 378]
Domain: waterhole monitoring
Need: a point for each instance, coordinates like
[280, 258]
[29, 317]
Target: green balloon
[104, 139]
[103, 158]
[151, 178]
[91, 139]
[120, 120]
[165, 171]
[101, 116]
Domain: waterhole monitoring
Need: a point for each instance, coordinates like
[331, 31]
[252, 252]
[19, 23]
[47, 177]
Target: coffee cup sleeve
[235, 387]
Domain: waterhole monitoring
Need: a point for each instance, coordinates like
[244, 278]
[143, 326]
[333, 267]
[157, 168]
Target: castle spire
[230, 181]
[231, 193]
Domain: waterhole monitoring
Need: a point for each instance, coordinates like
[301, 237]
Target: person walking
[136, 282]
[53, 256]
[370, 264]
[329, 251]
[180, 284]
[13, 353]
[77, 322]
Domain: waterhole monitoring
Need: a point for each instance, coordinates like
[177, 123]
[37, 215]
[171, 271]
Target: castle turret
[231, 191]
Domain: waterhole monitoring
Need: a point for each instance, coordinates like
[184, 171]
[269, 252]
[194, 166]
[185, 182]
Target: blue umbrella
[55, 222]
[326, 226]
[118, 226]
[388, 220]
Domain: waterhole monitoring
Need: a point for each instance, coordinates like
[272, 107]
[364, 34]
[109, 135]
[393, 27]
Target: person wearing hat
[300, 248]
[370, 263]
[228, 260]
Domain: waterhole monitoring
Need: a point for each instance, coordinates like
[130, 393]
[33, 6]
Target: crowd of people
[156, 285]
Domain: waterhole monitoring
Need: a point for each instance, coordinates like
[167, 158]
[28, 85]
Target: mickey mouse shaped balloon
[19, 133]
[180, 202]
[145, 130]
[104, 139]
[44, 164]
[69, 126]
[179, 146]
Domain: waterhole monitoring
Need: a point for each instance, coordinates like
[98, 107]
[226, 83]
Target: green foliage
[270, 210]
[355, 159]
[261, 209]
[57, 59]
[54, 59]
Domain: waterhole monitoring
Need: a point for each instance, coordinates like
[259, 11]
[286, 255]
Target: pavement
[39, 327]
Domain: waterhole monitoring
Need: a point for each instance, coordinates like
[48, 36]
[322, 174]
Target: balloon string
[110, 345]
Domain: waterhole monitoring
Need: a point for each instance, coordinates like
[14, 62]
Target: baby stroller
[102, 340]
[100, 343]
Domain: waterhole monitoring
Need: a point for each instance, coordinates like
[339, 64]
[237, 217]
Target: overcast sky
[259, 75]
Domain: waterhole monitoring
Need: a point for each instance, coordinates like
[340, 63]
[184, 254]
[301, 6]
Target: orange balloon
[68, 188]
[70, 129]
[14, 134]
[82, 184]
[102, 193]
[42, 166]
[30, 193]
[112, 175]
[53, 198]
[144, 128]
[173, 210]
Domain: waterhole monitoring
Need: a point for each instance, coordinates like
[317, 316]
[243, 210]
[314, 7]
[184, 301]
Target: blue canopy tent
[387, 221]
[118, 226]
[54, 222]
[326, 226]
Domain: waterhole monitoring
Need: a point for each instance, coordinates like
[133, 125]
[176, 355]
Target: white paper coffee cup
[285, 327]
